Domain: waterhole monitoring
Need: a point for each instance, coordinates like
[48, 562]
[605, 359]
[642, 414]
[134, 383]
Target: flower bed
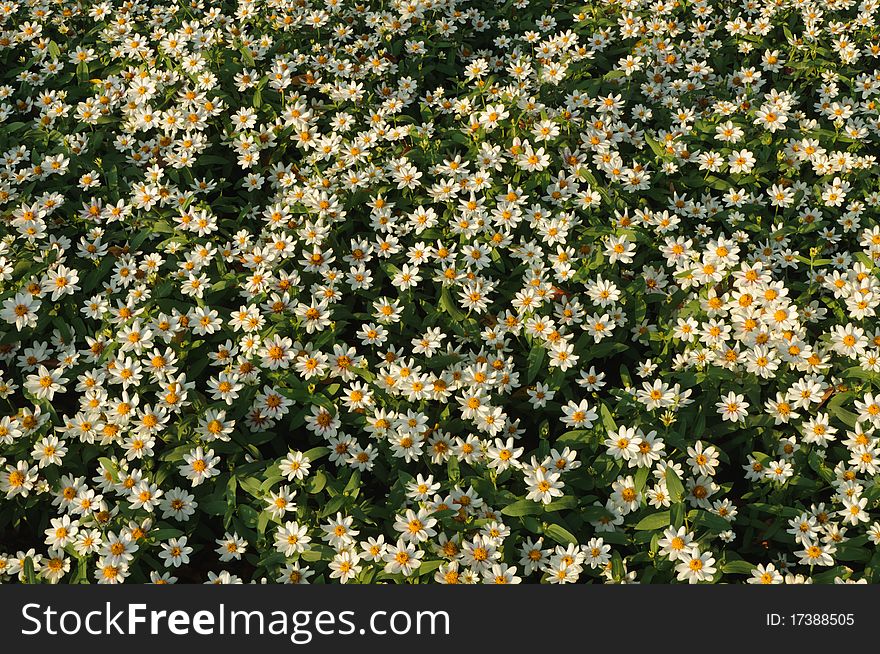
[439, 291]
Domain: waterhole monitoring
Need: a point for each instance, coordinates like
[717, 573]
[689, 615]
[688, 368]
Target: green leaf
[316, 483]
[617, 570]
[522, 507]
[448, 305]
[859, 373]
[738, 567]
[248, 515]
[82, 572]
[560, 534]
[658, 149]
[625, 377]
[710, 521]
[674, 485]
[333, 505]
[251, 486]
[213, 507]
[263, 521]
[676, 514]
[82, 72]
[563, 503]
[603, 350]
[607, 418]
[575, 436]
[828, 576]
[30, 574]
[316, 453]
[818, 464]
[654, 521]
[110, 467]
[453, 471]
[593, 513]
[641, 478]
[536, 359]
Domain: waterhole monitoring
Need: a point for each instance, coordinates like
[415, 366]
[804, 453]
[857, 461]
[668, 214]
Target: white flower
[295, 466]
[402, 558]
[46, 383]
[696, 567]
[21, 310]
[199, 465]
[732, 407]
[175, 552]
[544, 486]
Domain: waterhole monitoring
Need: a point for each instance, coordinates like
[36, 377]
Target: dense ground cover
[439, 291]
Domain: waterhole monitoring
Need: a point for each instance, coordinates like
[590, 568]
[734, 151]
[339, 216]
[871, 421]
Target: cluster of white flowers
[436, 290]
